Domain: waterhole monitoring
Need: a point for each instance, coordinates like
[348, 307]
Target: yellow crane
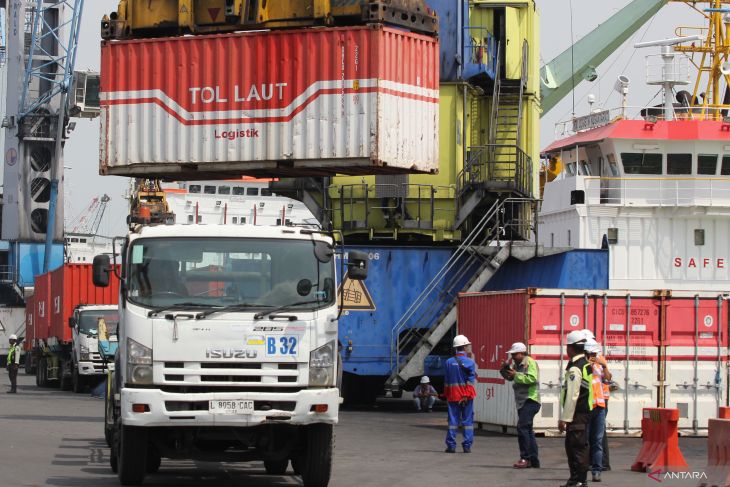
[151, 18]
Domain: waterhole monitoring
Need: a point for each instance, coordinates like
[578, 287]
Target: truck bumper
[177, 409]
[91, 368]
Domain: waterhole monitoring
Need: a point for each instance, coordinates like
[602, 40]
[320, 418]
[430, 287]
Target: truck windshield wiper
[183, 306]
[232, 307]
[262, 314]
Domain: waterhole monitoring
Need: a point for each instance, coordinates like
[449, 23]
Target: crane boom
[579, 62]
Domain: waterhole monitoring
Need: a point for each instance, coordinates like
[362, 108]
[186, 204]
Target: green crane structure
[579, 62]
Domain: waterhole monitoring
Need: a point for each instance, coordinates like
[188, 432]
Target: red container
[358, 100]
[56, 295]
[496, 319]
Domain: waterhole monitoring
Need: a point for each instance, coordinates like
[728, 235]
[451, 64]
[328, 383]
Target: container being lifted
[160, 18]
[304, 102]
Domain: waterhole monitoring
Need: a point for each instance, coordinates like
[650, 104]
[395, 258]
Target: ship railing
[413, 205]
[649, 114]
[658, 71]
[657, 191]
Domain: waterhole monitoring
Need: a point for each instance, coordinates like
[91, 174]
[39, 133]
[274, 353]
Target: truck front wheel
[132, 455]
[317, 467]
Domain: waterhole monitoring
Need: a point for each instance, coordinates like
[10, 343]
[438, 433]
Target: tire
[38, 369]
[132, 455]
[113, 458]
[29, 369]
[77, 382]
[276, 467]
[317, 467]
[154, 460]
[65, 379]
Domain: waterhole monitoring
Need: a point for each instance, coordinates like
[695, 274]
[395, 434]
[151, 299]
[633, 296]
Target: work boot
[467, 449]
[522, 464]
[596, 476]
[450, 450]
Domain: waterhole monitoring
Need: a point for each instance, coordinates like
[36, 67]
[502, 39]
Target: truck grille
[230, 373]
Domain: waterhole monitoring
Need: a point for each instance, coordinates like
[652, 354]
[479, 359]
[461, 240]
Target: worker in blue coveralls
[460, 377]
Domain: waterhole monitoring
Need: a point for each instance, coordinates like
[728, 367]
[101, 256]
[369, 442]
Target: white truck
[87, 364]
[228, 348]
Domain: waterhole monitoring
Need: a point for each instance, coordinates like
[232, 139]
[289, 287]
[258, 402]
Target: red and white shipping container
[356, 100]
[56, 295]
[671, 352]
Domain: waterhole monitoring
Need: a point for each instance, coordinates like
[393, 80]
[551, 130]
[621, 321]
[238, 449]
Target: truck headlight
[139, 363]
[83, 353]
[322, 366]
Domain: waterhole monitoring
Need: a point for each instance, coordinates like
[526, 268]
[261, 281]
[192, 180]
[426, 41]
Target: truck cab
[228, 348]
[85, 324]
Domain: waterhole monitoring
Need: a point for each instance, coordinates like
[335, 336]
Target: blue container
[396, 277]
[575, 269]
[469, 47]
[27, 260]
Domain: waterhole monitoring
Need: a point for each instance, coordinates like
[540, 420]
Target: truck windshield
[216, 272]
[91, 320]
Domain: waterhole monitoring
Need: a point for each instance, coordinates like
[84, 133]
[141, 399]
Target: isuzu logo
[230, 353]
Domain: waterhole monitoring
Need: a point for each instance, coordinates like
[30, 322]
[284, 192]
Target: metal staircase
[500, 166]
[433, 313]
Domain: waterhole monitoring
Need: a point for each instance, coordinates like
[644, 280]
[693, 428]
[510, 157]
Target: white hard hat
[576, 336]
[588, 334]
[13, 337]
[461, 341]
[518, 347]
[592, 346]
[425, 380]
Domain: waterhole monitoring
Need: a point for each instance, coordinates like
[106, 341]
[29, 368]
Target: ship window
[243, 220]
[570, 169]
[679, 163]
[200, 218]
[234, 220]
[265, 192]
[209, 190]
[190, 218]
[224, 190]
[252, 191]
[725, 170]
[194, 188]
[641, 163]
[612, 165]
[707, 164]
[239, 191]
[585, 168]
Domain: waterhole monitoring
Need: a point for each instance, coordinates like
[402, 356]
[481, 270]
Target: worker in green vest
[13, 363]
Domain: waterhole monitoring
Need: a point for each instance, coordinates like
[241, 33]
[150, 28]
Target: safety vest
[11, 354]
[585, 398]
[599, 398]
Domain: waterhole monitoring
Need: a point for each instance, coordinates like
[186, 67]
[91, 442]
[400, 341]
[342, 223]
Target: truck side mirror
[100, 271]
[357, 265]
[71, 322]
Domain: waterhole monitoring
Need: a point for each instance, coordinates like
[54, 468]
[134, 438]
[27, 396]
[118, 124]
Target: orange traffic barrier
[724, 413]
[660, 446]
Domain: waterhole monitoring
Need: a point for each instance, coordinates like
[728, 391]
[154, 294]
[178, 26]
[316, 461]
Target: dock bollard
[660, 446]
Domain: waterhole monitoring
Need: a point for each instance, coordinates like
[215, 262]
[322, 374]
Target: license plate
[231, 407]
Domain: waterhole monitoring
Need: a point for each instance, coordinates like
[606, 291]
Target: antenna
[671, 71]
